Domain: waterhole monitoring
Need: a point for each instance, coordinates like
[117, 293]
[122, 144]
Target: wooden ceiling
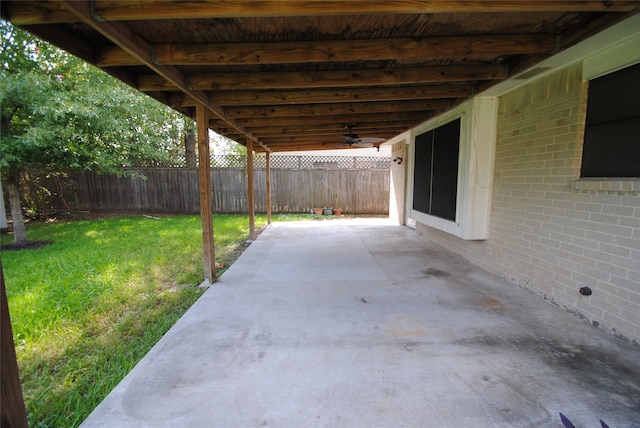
[291, 74]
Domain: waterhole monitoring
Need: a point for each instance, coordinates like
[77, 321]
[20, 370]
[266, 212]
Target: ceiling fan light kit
[354, 140]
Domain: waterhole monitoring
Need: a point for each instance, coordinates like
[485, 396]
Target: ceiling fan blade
[371, 140]
[362, 144]
[353, 140]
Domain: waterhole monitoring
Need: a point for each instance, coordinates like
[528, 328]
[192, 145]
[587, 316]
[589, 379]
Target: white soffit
[614, 48]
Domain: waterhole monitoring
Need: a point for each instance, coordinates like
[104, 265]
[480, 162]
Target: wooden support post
[250, 191]
[206, 195]
[268, 180]
[12, 409]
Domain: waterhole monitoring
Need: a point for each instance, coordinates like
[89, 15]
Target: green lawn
[88, 307]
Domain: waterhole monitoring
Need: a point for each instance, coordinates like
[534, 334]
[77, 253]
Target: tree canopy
[58, 113]
[61, 113]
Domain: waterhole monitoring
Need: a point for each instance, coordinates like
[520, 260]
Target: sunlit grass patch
[86, 308]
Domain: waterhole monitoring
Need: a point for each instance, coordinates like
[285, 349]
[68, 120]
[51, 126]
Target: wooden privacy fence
[175, 190]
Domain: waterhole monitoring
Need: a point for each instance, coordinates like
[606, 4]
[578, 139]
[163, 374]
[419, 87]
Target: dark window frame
[612, 128]
[436, 170]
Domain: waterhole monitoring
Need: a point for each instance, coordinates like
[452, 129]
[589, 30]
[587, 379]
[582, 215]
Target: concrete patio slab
[359, 323]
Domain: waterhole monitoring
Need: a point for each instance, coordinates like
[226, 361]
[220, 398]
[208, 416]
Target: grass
[88, 307]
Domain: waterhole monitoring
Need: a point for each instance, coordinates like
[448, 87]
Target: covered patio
[365, 323]
[359, 322]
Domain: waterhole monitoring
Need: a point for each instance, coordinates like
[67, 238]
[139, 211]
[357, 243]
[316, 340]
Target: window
[612, 131]
[436, 171]
[450, 161]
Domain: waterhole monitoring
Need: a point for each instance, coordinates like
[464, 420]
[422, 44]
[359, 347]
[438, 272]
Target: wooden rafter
[301, 134]
[329, 141]
[300, 148]
[336, 50]
[323, 79]
[336, 109]
[315, 121]
[296, 129]
[35, 12]
[318, 96]
[376, 120]
[334, 138]
[336, 125]
[160, 9]
[297, 147]
[271, 68]
[128, 40]
[290, 132]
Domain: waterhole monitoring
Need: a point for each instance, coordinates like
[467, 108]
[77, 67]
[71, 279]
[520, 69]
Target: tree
[221, 145]
[190, 156]
[59, 114]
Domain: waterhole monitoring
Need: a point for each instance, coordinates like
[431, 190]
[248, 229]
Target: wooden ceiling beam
[331, 139]
[338, 127]
[331, 135]
[322, 96]
[166, 9]
[325, 79]
[336, 109]
[340, 119]
[323, 130]
[327, 140]
[293, 129]
[376, 120]
[308, 146]
[479, 46]
[312, 145]
[123, 36]
[318, 145]
[302, 138]
[36, 12]
[43, 12]
[362, 124]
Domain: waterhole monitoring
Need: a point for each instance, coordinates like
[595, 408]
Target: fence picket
[362, 187]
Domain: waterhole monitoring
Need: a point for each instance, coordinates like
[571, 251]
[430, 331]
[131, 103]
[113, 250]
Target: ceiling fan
[353, 140]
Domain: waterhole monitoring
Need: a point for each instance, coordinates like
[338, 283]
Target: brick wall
[548, 234]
